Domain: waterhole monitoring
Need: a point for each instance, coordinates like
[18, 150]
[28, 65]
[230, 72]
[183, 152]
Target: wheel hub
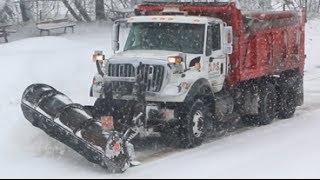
[197, 120]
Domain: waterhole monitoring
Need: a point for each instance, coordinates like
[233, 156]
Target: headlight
[175, 60]
[175, 63]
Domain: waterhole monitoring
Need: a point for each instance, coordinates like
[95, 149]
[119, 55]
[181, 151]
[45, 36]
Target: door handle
[218, 57]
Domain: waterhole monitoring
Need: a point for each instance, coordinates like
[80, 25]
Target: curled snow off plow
[73, 125]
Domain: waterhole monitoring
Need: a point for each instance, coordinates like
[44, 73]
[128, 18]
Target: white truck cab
[176, 51]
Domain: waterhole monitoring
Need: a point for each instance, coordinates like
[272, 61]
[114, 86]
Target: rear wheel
[267, 110]
[287, 106]
[290, 94]
[267, 107]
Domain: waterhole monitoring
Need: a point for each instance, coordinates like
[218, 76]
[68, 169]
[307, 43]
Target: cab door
[217, 66]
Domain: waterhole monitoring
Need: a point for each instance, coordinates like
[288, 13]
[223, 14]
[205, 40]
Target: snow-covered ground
[285, 149]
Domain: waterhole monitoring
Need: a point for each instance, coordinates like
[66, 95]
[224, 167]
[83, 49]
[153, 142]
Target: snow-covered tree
[90, 10]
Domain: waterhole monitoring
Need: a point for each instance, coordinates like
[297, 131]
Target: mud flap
[69, 123]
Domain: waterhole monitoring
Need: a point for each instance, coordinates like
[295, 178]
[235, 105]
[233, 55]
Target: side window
[216, 37]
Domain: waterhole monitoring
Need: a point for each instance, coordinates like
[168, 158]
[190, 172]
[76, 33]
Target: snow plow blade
[69, 123]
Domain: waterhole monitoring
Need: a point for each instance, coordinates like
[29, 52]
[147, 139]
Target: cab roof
[173, 19]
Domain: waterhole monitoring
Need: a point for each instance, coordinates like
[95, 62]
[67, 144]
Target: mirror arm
[116, 34]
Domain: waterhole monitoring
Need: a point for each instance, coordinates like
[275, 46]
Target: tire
[287, 106]
[288, 94]
[193, 126]
[267, 103]
[267, 107]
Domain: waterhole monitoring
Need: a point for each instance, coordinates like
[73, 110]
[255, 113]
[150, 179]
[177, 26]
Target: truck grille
[152, 75]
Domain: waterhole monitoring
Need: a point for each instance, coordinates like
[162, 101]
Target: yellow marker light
[175, 59]
[98, 56]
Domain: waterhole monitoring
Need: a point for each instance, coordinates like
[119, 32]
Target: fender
[200, 89]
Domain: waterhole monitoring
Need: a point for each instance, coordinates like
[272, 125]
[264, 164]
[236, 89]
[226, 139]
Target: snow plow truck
[185, 70]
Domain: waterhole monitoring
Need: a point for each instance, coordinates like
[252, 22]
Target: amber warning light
[175, 60]
[98, 56]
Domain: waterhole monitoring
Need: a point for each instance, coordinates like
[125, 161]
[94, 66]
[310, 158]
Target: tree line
[79, 10]
[18, 11]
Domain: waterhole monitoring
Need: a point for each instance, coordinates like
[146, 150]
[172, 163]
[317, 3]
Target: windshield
[187, 38]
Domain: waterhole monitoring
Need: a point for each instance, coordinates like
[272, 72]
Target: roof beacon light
[173, 10]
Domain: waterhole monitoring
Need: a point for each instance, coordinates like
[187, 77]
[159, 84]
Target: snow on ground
[284, 149]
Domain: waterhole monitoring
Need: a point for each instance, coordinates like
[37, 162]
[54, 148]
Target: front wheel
[194, 125]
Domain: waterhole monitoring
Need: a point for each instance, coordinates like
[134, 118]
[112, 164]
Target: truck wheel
[267, 109]
[289, 96]
[287, 105]
[193, 128]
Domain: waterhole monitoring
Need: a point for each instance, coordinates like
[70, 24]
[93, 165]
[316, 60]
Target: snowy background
[285, 149]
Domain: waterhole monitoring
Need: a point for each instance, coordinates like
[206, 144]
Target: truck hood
[146, 56]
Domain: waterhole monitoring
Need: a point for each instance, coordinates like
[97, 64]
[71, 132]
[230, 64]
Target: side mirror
[116, 35]
[228, 40]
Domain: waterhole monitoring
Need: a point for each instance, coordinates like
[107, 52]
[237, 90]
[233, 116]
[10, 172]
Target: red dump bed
[265, 43]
